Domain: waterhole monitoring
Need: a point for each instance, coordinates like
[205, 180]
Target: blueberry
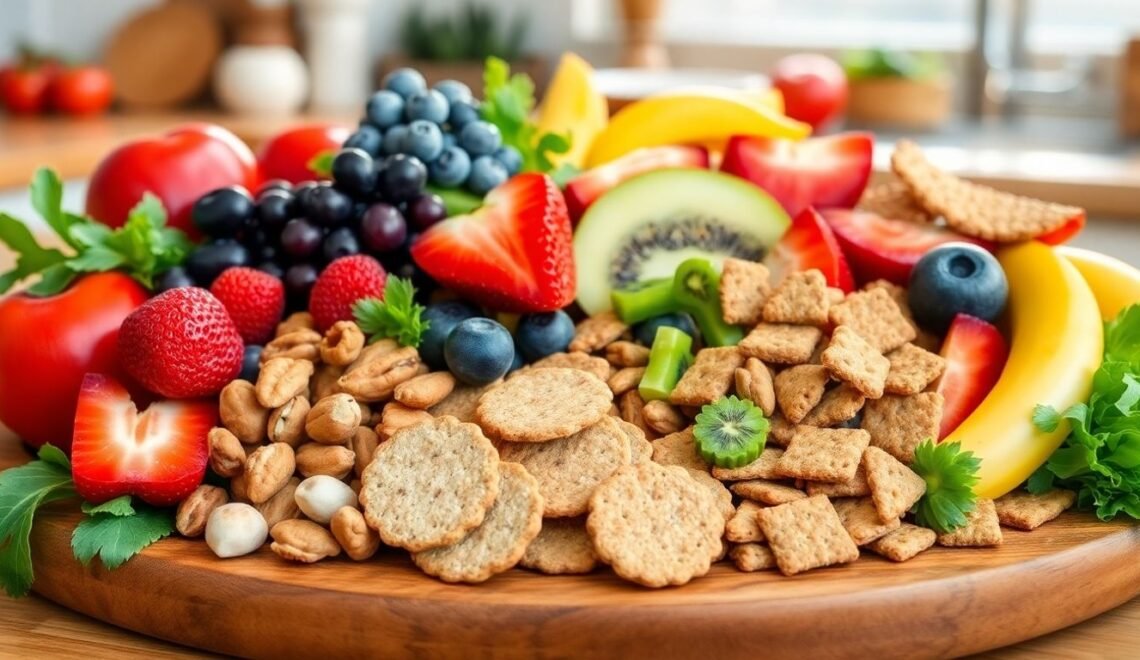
[405, 82]
[367, 138]
[428, 105]
[274, 184]
[449, 140]
[516, 363]
[395, 140]
[222, 212]
[539, 335]
[210, 259]
[462, 113]
[424, 141]
[274, 209]
[354, 172]
[451, 168]
[453, 91]
[272, 268]
[340, 243]
[403, 177]
[175, 278]
[645, 331]
[479, 351]
[442, 317]
[956, 278]
[328, 206]
[251, 363]
[385, 108]
[486, 173]
[510, 158]
[480, 138]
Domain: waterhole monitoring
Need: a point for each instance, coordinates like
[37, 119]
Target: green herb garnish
[507, 103]
[397, 316]
[950, 475]
[23, 490]
[119, 532]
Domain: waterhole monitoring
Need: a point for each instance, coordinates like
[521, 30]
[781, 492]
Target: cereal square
[712, 375]
[876, 317]
[854, 487]
[743, 526]
[799, 388]
[862, 521]
[781, 343]
[830, 455]
[801, 298]
[912, 369]
[898, 424]
[780, 431]
[744, 288]
[807, 534]
[981, 529]
[751, 557]
[1022, 510]
[894, 487]
[596, 332]
[851, 359]
[764, 467]
[766, 492]
[838, 405]
[904, 543]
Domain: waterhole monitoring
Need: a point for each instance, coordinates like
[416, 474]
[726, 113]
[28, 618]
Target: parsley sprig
[950, 475]
[397, 316]
[508, 101]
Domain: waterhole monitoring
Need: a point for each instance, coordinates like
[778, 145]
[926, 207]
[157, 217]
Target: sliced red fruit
[881, 248]
[583, 189]
[158, 455]
[823, 172]
[975, 355]
[1065, 232]
[513, 254]
[810, 243]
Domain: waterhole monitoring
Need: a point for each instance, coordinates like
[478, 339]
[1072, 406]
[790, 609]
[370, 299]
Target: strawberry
[341, 284]
[582, 190]
[975, 355]
[823, 172]
[512, 255]
[181, 344]
[882, 248]
[255, 301]
[159, 455]
[807, 244]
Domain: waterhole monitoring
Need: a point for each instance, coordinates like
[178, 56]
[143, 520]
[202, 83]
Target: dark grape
[299, 280]
[354, 172]
[272, 268]
[222, 213]
[403, 177]
[274, 184]
[301, 196]
[210, 259]
[383, 228]
[367, 137]
[300, 238]
[328, 206]
[274, 209]
[251, 363]
[174, 278]
[426, 210]
[340, 243]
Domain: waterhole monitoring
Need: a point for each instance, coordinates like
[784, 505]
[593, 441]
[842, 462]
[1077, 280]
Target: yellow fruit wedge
[1056, 343]
[689, 118]
[572, 104]
[1115, 284]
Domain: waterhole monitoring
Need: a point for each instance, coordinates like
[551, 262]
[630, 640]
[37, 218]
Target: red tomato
[287, 154]
[48, 344]
[84, 90]
[178, 167]
[814, 87]
[25, 90]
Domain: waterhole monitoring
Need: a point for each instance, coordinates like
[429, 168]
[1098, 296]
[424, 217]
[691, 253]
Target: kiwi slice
[694, 288]
[669, 357]
[730, 432]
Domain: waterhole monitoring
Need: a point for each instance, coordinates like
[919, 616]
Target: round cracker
[569, 469]
[430, 484]
[655, 525]
[499, 543]
[562, 548]
[640, 448]
[539, 405]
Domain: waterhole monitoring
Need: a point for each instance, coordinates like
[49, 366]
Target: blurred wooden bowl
[899, 102]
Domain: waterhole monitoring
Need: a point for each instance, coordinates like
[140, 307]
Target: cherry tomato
[814, 87]
[84, 90]
[287, 154]
[48, 344]
[24, 90]
[178, 167]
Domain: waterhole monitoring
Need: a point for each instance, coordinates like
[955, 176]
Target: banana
[573, 104]
[1115, 284]
[1056, 343]
[691, 117]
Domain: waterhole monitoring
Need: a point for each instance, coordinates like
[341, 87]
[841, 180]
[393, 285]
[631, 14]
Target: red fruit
[975, 355]
[83, 90]
[1065, 232]
[24, 89]
[825, 172]
[512, 255]
[808, 244]
[254, 300]
[287, 154]
[881, 248]
[814, 87]
[181, 344]
[159, 455]
[582, 190]
[341, 284]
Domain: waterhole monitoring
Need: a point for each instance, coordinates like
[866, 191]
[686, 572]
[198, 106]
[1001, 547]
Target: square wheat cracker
[807, 534]
[831, 455]
[799, 388]
[744, 526]
[596, 332]
[764, 467]
[767, 492]
[1022, 510]
[712, 375]
[894, 487]
[780, 431]
[853, 360]
[857, 486]
[898, 424]
[750, 557]
[981, 529]
[861, 520]
[912, 369]
[744, 288]
[876, 317]
[781, 343]
[838, 405]
[801, 298]
[904, 543]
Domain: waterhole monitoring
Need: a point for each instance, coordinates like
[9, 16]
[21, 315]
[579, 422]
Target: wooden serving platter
[940, 604]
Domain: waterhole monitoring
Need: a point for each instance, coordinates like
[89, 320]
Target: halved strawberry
[881, 248]
[513, 254]
[582, 190]
[823, 172]
[1065, 232]
[975, 355]
[158, 455]
[809, 243]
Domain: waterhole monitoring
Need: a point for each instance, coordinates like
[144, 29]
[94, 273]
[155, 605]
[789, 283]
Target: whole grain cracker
[861, 520]
[830, 455]
[894, 487]
[766, 491]
[780, 431]
[596, 332]
[898, 424]
[655, 525]
[974, 209]
[924, 339]
[853, 360]
[1022, 510]
[764, 467]
[893, 200]
[912, 369]
[744, 526]
[981, 529]
[538, 405]
[430, 484]
[838, 405]
[590, 364]
[496, 545]
[781, 343]
[721, 494]
[625, 380]
[462, 402]
[630, 406]
[627, 354]
[569, 469]
[750, 557]
[904, 542]
[876, 317]
[754, 382]
[640, 449]
[678, 449]
[801, 298]
[857, 486]
[744, 288]
[709, 378]
[806, 534]
[798, 389]
[562, 547]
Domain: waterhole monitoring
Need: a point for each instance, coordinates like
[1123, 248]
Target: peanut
[235, 529]
[287, 423]
[303, 541]
[425, 391]
[625, 380]
[363, 444]
[241, 412]
[283, 505]
[282, 379]
[342, 343]
[397, 416]
[267, 470]
[314, 458]
[754, 382]
[357, 539]
[297, 345]
[376, 379]
[227, 456]
[333, 419]
[663, 417]
[194, 511]
[627, 354]
[323, 382]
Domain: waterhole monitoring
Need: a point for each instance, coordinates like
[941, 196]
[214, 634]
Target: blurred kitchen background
[1040, 97]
